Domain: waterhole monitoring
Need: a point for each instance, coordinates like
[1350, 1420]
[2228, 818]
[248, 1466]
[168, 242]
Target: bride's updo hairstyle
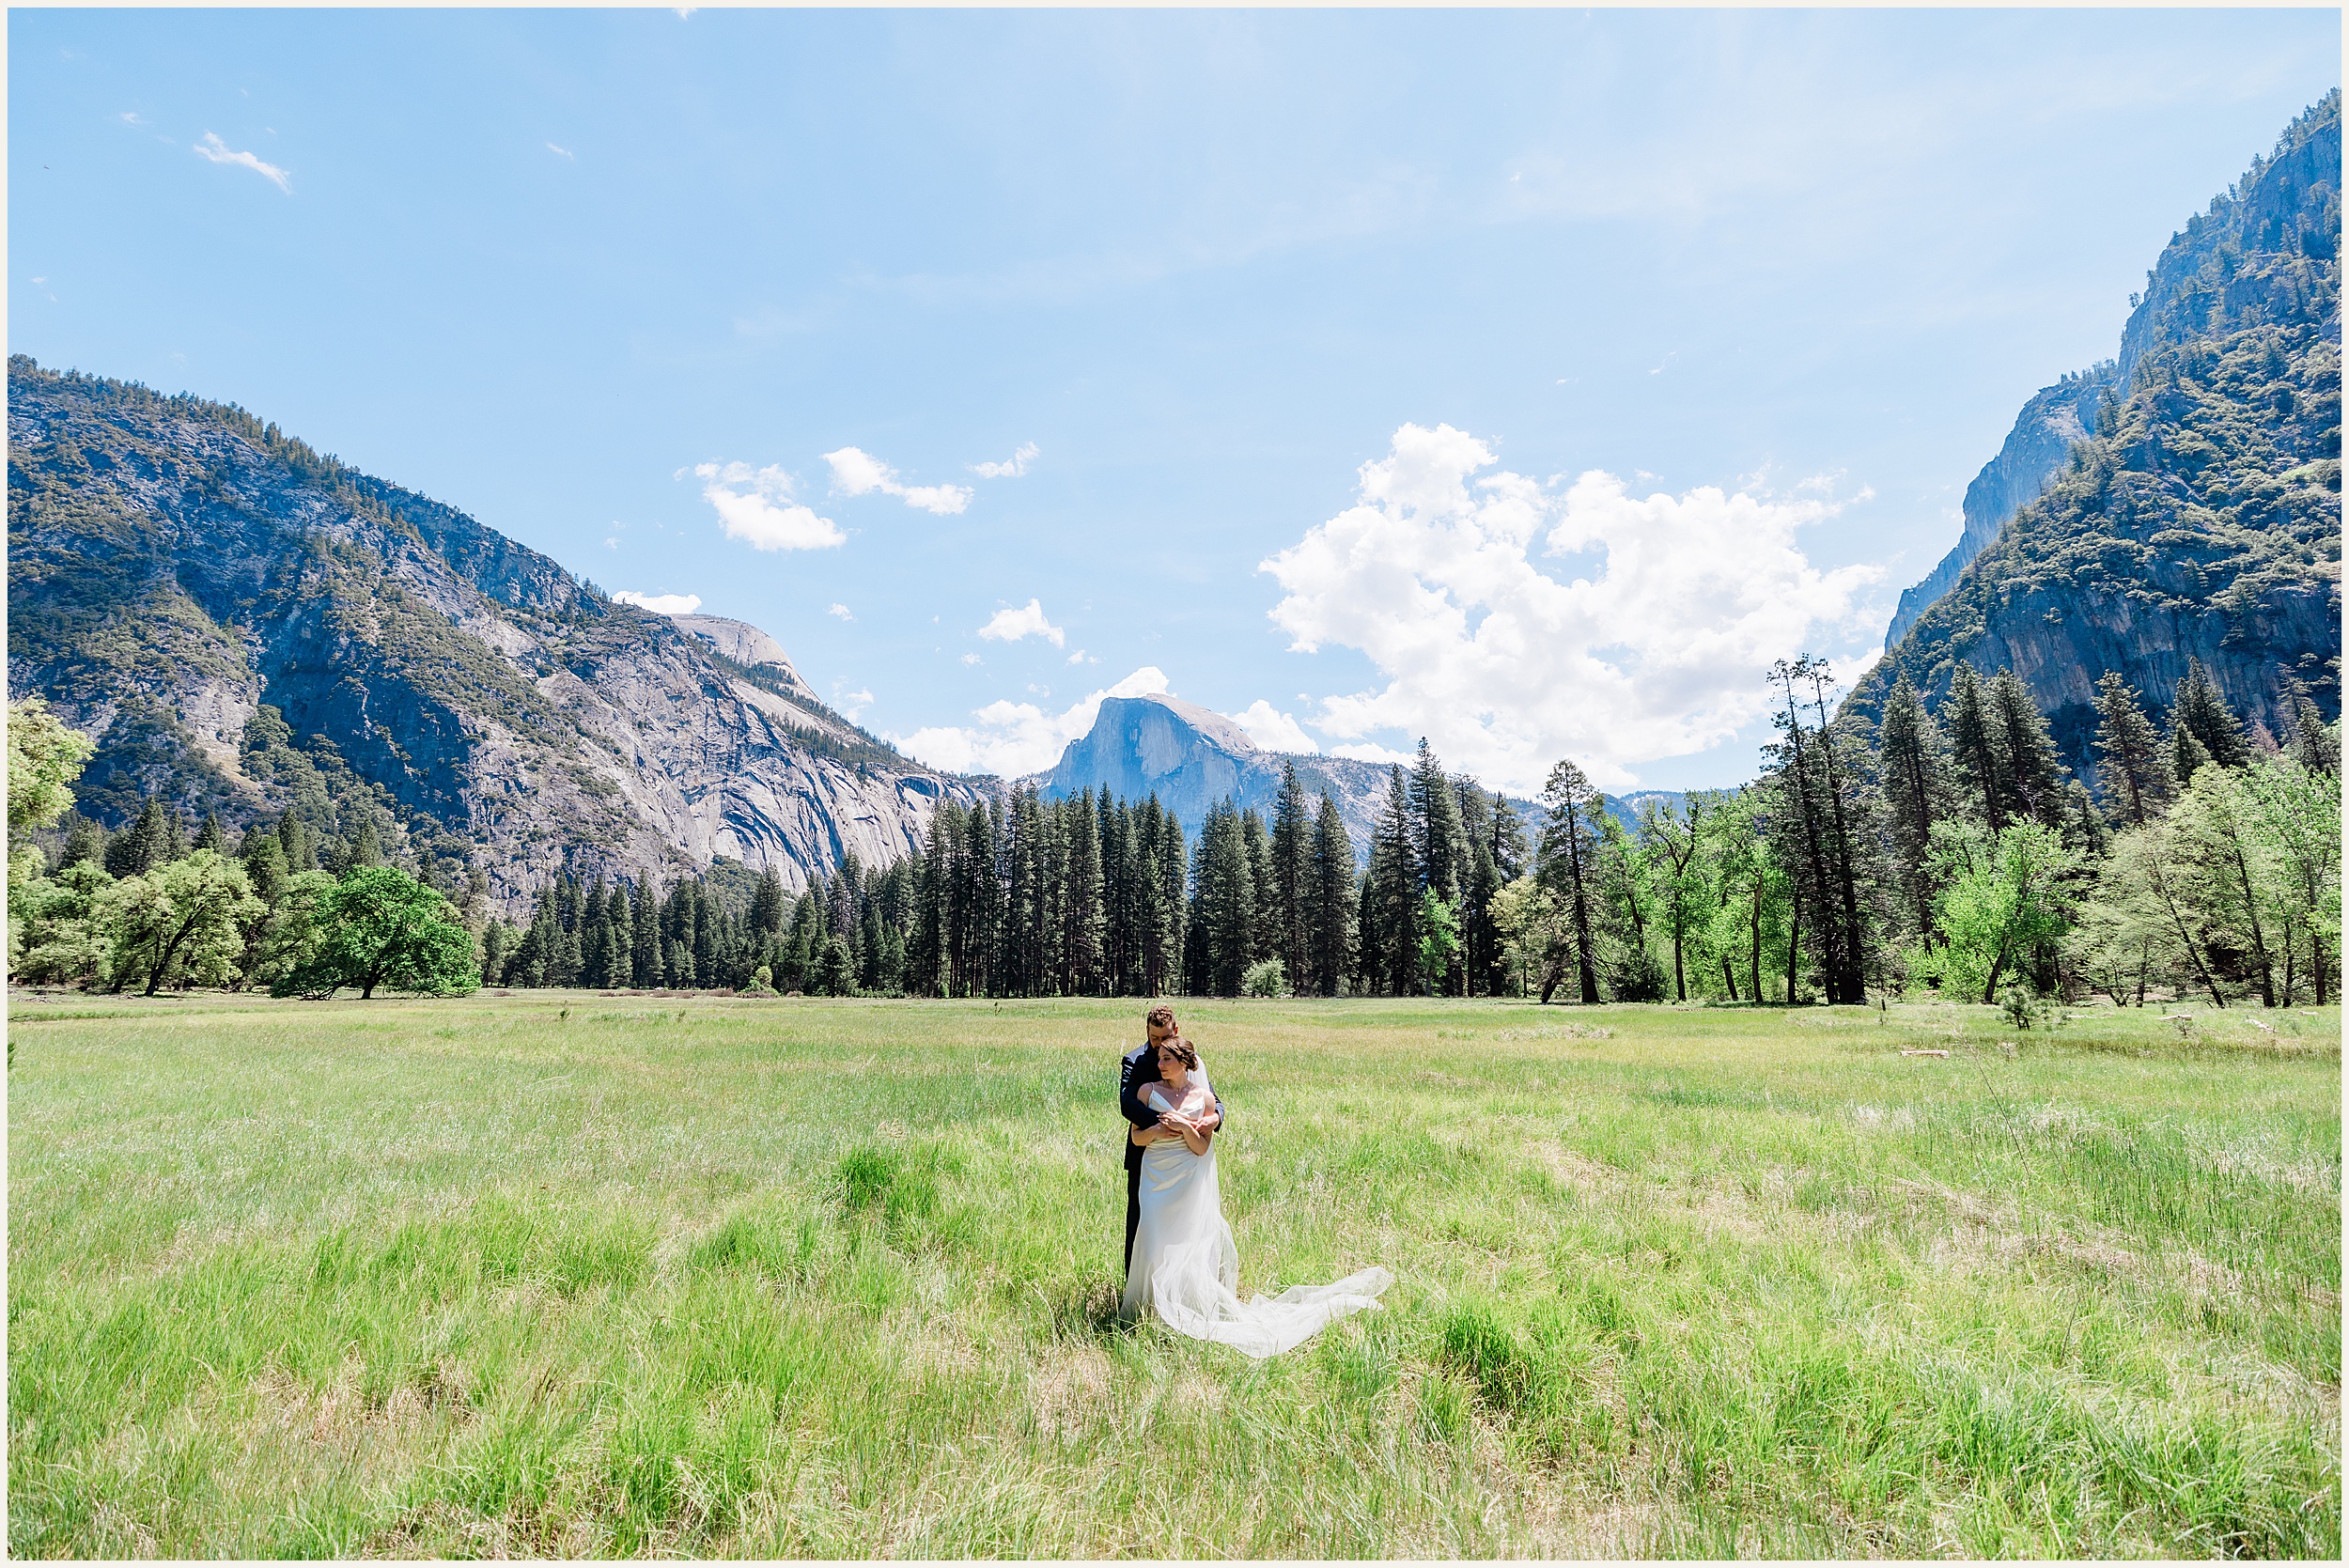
[1180, 1049]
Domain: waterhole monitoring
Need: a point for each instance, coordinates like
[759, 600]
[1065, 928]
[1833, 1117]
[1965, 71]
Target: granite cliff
[2199, 517]
[244, 626]
[1192, 758]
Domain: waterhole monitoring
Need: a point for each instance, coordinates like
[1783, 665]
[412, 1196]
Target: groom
[1140, 1071]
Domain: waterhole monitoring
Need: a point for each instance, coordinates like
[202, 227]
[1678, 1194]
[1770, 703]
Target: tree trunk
[2259, 940]
[1753, 976]
[2316, 965]
[1794, 944]
[1729, 974]
[1680, 981]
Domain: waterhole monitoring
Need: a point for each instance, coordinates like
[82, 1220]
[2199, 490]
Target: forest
[1950, 853]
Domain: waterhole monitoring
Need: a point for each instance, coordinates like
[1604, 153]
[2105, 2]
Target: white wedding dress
[1186, 1266]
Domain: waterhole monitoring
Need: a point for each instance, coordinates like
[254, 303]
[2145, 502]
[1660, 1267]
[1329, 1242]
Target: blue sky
[1542, 373]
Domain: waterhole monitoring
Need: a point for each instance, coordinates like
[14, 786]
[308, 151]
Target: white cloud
[1081, 657]
[661, 604]
[971, 658]
[1011, 467]
[859, 472]
[215, 149]
[1273, 730]
[755, 506]
[1009, 626]
[1648, 639]
[852, 704]
[1014, 739]
[563, 152]
[841, 611]
[130, 117]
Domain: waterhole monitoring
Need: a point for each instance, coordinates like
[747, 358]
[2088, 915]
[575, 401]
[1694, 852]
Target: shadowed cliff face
[174, 565]
[2200, 518]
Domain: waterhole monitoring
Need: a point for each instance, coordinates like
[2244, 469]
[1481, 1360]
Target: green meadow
[570, 1274]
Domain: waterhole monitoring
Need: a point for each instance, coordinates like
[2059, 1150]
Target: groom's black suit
[1140, 1071]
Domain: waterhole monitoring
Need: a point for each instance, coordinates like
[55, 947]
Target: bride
[1184, 1264]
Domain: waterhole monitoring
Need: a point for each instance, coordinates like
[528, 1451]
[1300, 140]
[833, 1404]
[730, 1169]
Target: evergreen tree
[1567, 860]
[1913, 758]
[1394, 892]
[2131, 769]
[1329, 906]
[143, 845]
[1264, 910]
[1292, 879]
[2187, 756]
[1974, 739]
[2315, 744]
[1080, 912]
[85, 840]
[2201, 710]
[1438, 841]
[645, 934]
[300, 842]
[2034, 772]
[1166, 962]
[210, 837]
[767, 903]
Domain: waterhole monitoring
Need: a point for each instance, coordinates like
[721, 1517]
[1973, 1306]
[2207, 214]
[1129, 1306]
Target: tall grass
[581, 1275]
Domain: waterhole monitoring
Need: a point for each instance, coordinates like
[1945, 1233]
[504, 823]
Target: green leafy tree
[288, 932]
[64, 939]
[1438, 937]
[45, 759]
[182, 924]
[1265, 978]
[381, 928]
[2001, 897]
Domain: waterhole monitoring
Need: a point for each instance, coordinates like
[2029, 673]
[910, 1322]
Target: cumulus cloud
[841, 611]
[855, 471]
[1011, 467]
[218, 151]
[1009, 626]
[1515, 625]
[755, 506]
[1014, 739]
[661, 604]
[1273, 730]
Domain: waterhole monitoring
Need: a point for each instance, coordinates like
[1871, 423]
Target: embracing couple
[1180, 1259]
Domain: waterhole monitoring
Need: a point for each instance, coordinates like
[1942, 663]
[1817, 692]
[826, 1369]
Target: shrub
[1267, 979]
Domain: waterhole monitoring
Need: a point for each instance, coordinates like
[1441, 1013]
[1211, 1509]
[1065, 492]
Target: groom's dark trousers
[1140, 1071]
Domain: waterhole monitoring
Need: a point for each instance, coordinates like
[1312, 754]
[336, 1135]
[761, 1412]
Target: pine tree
[1264, 914]
[2132, 771]
[2315, 744]
[1292, 877]
[1167, 962]
[1913, 757]
[1330, 902]
[926, 946]
[1974, 739]
[210, 837]
[2201, 710]
[1395, 883]
[767, 903]
[1080, 915]
[1567, 860]
[645, 929]
[1440, 845]
[2034, 772]
[143, 845]
[2187, 756]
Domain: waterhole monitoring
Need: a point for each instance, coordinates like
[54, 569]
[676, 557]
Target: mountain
[2199, 516]
[2055, 420]
[244, 626]
[1192, 758]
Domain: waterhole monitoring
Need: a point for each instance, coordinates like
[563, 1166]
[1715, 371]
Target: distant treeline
[1950, 853]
